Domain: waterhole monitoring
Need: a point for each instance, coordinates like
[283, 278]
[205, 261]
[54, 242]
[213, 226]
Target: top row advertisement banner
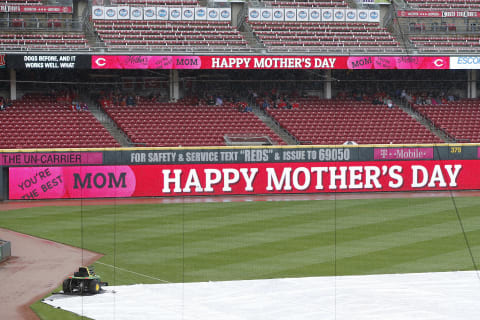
[313, 14]
[438, 14]
[140, 62]
[269, 62]
[35, 9]
[161, 13]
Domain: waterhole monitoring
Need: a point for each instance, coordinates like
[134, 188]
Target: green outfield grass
[260, 240]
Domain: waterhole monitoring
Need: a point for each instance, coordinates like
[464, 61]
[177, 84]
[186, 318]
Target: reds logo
[2, 60]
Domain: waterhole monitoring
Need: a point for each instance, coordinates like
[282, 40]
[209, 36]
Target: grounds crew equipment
[83, 281]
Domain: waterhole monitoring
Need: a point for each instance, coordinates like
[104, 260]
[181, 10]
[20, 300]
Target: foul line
[139, 274]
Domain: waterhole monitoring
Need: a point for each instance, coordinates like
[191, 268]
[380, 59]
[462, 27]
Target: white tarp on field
[447, 295]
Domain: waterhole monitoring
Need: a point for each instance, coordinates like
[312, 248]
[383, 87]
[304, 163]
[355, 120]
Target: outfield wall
[106, 173]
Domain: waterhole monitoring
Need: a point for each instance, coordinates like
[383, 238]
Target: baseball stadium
[239, 159]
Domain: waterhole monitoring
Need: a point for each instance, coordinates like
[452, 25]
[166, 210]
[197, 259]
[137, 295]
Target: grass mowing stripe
[447, 261]
[212, 227]
[257, 223]
[248, 235]
[156, 213]
[293, 241]
[287, 262]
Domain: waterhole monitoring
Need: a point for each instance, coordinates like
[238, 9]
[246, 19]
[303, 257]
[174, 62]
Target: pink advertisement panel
[403, 153]
[35, 9]
[241, 179]
[268, 62]
[50, 158]
[438, 14]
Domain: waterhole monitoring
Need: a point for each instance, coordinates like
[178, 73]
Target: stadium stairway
[400, 4]
[92, 36]
[269, 122]
[110, 125]
[425, 122]
[252, 40]
[352, 4]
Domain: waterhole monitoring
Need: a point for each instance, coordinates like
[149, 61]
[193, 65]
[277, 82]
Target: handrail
[241, 17]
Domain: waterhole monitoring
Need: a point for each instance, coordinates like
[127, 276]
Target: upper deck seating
[170, 35]
[324, 36]
[43, 41]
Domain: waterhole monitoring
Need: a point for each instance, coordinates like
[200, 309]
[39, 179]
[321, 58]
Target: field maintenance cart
[83, 281]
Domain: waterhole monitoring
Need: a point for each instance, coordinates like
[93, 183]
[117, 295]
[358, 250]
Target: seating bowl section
[176, 124]
[303, 36]
[170, 35]
[328, 122]
[459, 118]
[40, 122]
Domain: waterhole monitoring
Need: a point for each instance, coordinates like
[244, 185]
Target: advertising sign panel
[278, 14]
[266, 14]
[149, 13]
[315, 14]
[98, 12]
[339, 15]
[327, 15]
[470, 62]
[269, 62]
[136, 13]
[225, 14]
[163, 13]
[253, 14]
[175, 13]
[200, 13]
[363, 15]
[35, 8]
[374, 16]
[241, 178]
[50, 158]
[290, 14]
[111, 13]
[213, 14]
[49, 61]
[350, 15]
[438, 14]
[302, 14]
[188, 14]
[123, 13]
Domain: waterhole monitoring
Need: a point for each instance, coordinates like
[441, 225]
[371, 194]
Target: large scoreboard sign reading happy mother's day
[241, 178]
[269, 62]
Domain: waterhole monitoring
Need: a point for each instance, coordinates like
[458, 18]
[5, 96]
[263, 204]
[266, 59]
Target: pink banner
[71, 182]
[34, 158]
[35, 9]
[438, 14]
[268, 62]
[403, 153]
[418, 13]
[241, 179]
[146, 62]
